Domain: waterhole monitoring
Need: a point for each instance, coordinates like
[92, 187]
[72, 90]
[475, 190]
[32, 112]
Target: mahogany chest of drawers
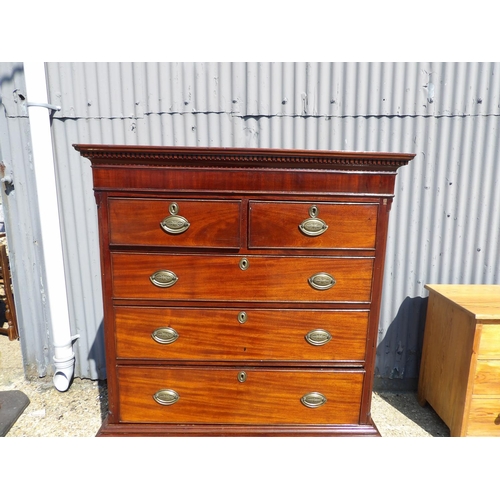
[241, 288]
[460, 367]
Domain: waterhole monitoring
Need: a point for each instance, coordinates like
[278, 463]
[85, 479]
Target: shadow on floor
[425, 417]
[103, 398]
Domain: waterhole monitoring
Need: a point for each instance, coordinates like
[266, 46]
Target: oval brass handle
[166, 397]
[313, 399]
[318, 337]
[163, 278]
[322, 281]
[313, 226]
[174, 224]
[165, 335]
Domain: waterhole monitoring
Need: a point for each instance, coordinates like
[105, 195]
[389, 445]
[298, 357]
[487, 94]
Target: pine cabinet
[460, 367]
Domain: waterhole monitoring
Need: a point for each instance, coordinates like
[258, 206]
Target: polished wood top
[481, 301]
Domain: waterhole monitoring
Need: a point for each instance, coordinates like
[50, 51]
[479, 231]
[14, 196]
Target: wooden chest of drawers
[460, 367]
[241, 287]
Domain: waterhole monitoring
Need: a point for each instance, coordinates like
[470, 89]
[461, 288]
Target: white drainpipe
[36, 90]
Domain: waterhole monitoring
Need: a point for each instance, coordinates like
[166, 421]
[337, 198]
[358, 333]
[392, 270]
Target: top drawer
[489, 346]
[312, 225]
[174, 223]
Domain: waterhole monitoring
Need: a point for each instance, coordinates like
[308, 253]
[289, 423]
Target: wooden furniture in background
[460, 367]
[7, 297]
[241, 288]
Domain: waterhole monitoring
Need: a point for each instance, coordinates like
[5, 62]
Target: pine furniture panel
[460, 366]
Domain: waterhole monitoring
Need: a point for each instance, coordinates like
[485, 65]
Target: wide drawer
[487, 378]
[231, 334]
[312, 225]
[241, 278]
[239, 396]
[174, 223]
[484, 417]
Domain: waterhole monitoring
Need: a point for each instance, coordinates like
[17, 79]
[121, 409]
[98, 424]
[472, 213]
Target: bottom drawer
[484, 417]
[225, 395]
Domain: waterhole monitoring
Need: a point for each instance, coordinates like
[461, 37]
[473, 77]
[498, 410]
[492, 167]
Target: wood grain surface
[276, 225]
[484, 417]
[215, 334]
[212, 223]
[209, 278]
[216, 396]
[460, 368]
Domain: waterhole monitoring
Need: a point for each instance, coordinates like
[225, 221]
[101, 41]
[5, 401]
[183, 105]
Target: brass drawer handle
[313, 226]
[165, 335]
[318, 337]
[174, 224]
[163, 278]
[166, 397]
[313, 399]
[322, 281]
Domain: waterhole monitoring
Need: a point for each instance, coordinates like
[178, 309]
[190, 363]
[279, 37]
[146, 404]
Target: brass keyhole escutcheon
[242, 317]
[244, 264]
[242, 376]
[173, 208]
[313, 211]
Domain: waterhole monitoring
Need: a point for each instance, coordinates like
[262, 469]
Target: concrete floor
[80, 411]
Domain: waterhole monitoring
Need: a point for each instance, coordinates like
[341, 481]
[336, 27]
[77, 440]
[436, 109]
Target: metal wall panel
[135, 90]
[445, 221]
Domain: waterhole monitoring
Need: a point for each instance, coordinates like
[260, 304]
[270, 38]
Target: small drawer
[213, 334]
[484, 417]
[487, 378]
[489, 345]
[312, 225]
[252, 278]
[239, 396]
[174, 223]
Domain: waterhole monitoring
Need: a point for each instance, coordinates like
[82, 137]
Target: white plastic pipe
[36, 90]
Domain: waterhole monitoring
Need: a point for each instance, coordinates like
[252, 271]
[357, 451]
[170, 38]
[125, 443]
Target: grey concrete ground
[74, 413]
[80, 411]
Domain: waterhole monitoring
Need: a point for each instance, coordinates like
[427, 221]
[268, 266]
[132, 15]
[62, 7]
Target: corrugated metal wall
[445, 222]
